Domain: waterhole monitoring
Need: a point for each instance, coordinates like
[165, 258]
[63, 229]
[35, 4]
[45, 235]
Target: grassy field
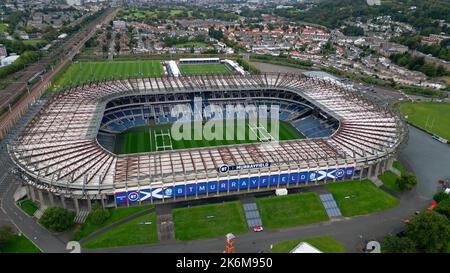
[197, 69]
[432, 116]
[326, 244]
[89, 227]
[209, 221]
[34, 42]
[389, 181]
[81, 72]
[291, 210]
[142, 139]
[20, 244]
[28, 206]
[141, 230]
[360, 197]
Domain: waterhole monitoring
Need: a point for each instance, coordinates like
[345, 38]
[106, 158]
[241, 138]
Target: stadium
[108, 142]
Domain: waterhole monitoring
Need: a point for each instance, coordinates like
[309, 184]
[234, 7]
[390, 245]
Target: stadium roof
[60, 150]
[198, 59]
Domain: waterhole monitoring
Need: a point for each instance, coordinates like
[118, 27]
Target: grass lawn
[134, 232]
[28, 206]
[202, 69]
[209, 221]
[326, 244]
[360, 197]
[20, 244]
[89, 227]
[389, 181]
[81, 72]
[175, 12]
[191, 44]
[143, 139]
[432, 116]
[291, 210]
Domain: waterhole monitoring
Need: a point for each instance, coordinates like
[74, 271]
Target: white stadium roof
[59, 146]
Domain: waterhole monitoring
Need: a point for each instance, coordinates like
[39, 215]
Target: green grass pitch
[143, 139]
[82, 72]
[202, 69]
[432, 116]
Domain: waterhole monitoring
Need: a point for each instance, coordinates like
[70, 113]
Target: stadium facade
[66, 159]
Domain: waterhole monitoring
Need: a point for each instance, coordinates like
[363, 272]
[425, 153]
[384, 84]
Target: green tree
[429, 230]
[395, 244]
[440, 196]
[407, 181]
[6, 234]
[57, 219]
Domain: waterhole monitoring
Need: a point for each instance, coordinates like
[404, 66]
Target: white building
[304, 247]
[172, 68]
[9, 60]
[234, 66]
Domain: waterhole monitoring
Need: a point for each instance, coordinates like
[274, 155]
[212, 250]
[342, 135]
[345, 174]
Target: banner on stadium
[227, 168]
[241, 184]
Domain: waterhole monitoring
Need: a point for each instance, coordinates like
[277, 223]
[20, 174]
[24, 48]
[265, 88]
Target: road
[40, 236]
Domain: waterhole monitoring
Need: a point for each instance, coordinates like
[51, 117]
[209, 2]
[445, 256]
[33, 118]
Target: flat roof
[198, 59]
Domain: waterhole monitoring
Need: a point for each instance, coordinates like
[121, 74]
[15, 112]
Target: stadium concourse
[63, 162]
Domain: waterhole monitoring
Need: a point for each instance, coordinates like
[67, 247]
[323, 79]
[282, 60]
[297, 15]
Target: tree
[430, 231]
[440, 196]
[6, 234]
[57, 219]
[443, 207]
[395, 244]
[407, 181]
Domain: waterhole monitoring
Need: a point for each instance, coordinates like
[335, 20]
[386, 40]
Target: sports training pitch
[203, 69]
[431, 116]
[82, 72]
[158, 138]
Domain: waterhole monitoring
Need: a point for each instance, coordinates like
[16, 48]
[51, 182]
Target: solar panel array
[330, 205]
[252, 214]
